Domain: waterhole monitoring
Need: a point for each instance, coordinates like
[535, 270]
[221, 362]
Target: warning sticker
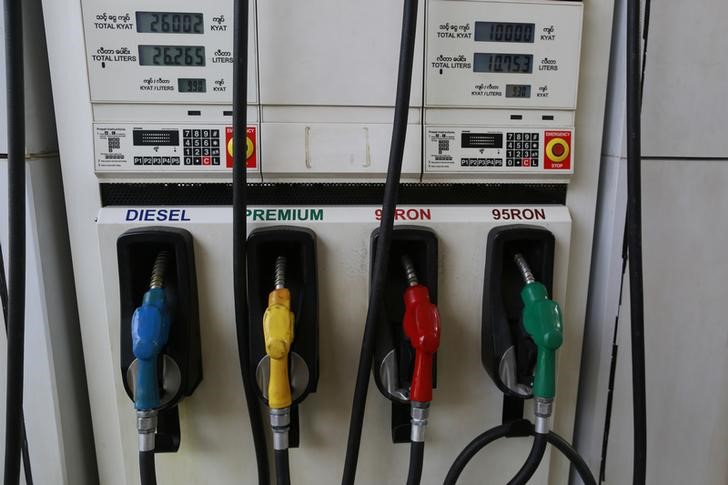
[441, 145]
[109, 146]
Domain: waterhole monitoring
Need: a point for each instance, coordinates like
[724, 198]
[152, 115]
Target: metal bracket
[389, 374]
[171, 379]
[299, 375]
[507, 371]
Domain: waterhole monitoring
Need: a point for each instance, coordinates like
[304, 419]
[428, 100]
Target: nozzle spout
[524, 268]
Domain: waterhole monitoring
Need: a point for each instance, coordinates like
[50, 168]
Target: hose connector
[280, 423]
[147, 429]
[419, 414]
[543, 409]
[524, 268]
[409, 269]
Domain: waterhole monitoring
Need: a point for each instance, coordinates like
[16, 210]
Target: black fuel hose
[4, 304]
[532, 462]
[147, 468]
[391, 189]
[283, 474]
[634, 241]
[16, 222]
[240, 189]
[417, 458]
[521, 428]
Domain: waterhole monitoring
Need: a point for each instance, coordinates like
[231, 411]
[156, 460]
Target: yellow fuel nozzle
[278, 331]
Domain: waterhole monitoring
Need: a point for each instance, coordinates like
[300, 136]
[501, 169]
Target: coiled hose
[519, 428]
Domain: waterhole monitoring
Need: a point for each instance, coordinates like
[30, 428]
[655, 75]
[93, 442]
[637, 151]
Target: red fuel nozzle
[422, 327]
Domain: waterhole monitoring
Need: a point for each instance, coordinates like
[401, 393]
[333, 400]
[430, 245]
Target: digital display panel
[503, 63]
[481, 140]
[518, 90]
[169, 22]
[171, 55]
[156, 137]
[504, 32]
[191, 85]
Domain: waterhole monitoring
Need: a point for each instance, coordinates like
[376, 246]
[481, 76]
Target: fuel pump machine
[500, 159]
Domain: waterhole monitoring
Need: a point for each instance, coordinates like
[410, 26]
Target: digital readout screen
[481, 140]
[518, 90]
[156, 137]
[504, 32]
[171, 55]
[169, 22]
[503, 63]
[191, 85]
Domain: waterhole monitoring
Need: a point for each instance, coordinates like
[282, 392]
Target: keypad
[522, 149]
[481, 162]
[157, 160]
[201, 147]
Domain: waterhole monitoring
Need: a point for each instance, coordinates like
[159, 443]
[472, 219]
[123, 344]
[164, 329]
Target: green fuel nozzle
[543, 322]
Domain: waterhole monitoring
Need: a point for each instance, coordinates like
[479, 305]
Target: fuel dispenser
[413, 263]
[165, 101]
[160, 351]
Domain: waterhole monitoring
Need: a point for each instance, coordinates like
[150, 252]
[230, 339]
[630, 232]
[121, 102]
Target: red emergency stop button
[557, 150]
[251, 155]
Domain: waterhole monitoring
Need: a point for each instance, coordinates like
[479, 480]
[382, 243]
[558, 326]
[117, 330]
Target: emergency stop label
[251, 155]
[557, 155]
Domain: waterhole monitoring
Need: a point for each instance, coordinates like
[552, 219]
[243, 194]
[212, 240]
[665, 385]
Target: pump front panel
[495, 138]
[216, 444]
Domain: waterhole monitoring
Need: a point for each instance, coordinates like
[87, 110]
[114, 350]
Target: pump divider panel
[420, 244]
[298, 245]
[502, 307]
[137, 250]
[286, 194]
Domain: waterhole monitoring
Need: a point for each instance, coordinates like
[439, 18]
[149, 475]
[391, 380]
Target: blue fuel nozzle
[149, 333]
